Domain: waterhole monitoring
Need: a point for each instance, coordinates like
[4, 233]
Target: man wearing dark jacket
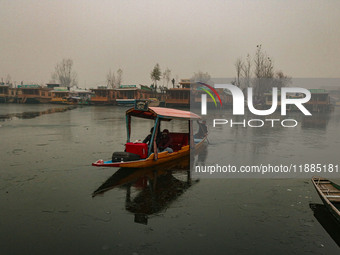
[165, 142]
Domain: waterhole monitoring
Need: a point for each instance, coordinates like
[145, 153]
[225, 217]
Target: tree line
[67, 77]
[259, 72]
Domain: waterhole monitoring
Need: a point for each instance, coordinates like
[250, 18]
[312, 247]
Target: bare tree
[201, 77]
[264, 71]
[64, 74]
[246, 70]
[263, 64]
[119, 77]
[281, 80]
[114, 81]
[167, 74]
[239, 67]
[111, 80]
[8, 79]
[163, 77]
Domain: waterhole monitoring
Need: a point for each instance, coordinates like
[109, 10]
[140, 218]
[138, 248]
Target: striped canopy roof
[165, 113]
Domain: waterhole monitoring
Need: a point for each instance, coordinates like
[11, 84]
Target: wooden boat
[329, 193]
[126, 176]
[148, 156]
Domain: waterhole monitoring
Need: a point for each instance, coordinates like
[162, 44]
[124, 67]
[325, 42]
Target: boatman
[202, 130]
[147, 139]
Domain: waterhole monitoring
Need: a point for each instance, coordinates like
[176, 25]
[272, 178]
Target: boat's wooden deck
[326, 187]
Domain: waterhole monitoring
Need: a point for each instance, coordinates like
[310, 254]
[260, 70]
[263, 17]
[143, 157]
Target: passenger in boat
[202, 130]
[165, 142]
[147, 139]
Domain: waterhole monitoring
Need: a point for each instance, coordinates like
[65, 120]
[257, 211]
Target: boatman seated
[147, 139]
[165, 142]
[202, 130]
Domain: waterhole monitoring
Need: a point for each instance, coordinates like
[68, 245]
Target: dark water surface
[47, 186]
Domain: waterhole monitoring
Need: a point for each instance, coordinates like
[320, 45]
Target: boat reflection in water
[316, 121]
[327, 221]
[155, 188]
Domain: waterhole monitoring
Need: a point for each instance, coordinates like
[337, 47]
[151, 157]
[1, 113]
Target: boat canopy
[163, 113]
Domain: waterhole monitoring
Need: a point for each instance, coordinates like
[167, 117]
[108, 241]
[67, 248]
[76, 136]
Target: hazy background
[302, 37]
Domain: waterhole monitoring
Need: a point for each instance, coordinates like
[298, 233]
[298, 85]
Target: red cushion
[179, 140]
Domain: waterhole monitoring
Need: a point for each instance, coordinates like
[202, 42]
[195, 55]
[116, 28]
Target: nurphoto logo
[239, 103]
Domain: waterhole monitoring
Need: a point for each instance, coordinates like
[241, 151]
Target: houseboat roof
[102, 88]
[318, 91]
[127, 86]
[33, 86]
[81, 91]
[125, 89]
[185, 81]
[179, 89]
[164, 113]
[60, 89]
[145, 87]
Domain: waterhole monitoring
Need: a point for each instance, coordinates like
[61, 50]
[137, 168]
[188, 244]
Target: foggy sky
[302, 37]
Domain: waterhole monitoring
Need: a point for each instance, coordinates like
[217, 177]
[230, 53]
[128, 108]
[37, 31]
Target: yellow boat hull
[163, 157]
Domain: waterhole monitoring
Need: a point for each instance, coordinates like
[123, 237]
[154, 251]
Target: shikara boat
[140, 155]
[131, 175]
[329, 193]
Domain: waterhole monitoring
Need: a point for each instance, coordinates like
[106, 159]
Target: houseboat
[4, 92]
[33, 94]
[335, 96]
[128, 94]
[60, 95]
[103, 96]
[12, 95]
[81, 96]
[180, 96]
[320, 101]
[45, 95]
